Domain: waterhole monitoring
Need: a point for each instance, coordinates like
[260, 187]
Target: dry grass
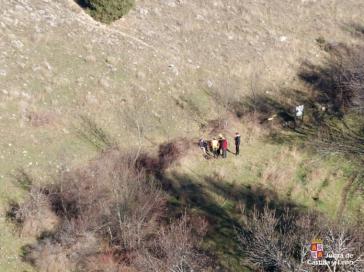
[60, 60]
[280, 170]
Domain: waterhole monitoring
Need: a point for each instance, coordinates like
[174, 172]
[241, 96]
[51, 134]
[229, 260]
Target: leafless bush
[111, 198]
[89, 131]
[334, 104]
[171, 151]
[110, 212]
[267, 239]
[174, 250]
[273, 242]
[227, 95]
[36, 215]
[168, 153]
[49, 257]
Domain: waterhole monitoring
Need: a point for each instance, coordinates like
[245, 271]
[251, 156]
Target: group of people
[218, 146]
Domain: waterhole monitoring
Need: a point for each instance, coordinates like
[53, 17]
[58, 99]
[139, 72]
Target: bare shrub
[168, 153]
[356, 29]
[36, 215]
[111, 214]
[171, 151]
[174, 250]
[112, 198]
[187, 103]
[49, 257]
[89, 131]
[267, 239]
[281, 242]
[334, 105]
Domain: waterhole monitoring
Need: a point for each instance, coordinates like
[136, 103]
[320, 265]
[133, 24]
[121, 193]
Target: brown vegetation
[274, 241]
[111, 217]
[168, 153]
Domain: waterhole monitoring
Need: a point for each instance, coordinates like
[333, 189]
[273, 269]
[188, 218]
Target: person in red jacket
[224, 147]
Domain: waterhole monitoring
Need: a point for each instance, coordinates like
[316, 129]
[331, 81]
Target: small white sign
[299, 110]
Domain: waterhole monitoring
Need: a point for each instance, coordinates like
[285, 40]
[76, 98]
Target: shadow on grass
[278, 109]
[333, 103]
[249, 197]
[338, 84]
[224, 221]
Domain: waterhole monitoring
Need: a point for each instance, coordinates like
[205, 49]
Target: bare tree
[174, 250]
[345, 249]
[266, 240]
[274, 242]
[111, 215]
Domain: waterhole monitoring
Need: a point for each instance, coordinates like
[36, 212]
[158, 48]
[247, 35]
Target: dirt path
[344, 195]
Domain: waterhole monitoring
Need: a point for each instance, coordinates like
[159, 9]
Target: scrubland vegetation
[125, 211]
[108, 216]
[125, 187]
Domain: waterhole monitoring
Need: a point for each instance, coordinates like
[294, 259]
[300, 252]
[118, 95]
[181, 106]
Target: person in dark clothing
[237, 143]
[224, 148]
[221, 140]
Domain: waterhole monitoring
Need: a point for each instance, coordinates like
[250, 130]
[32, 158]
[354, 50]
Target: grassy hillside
[166, 70]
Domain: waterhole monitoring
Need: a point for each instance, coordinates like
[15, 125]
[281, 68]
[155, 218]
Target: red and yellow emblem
[317, 249]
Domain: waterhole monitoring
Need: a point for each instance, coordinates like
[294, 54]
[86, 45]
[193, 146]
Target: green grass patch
[107, 11]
